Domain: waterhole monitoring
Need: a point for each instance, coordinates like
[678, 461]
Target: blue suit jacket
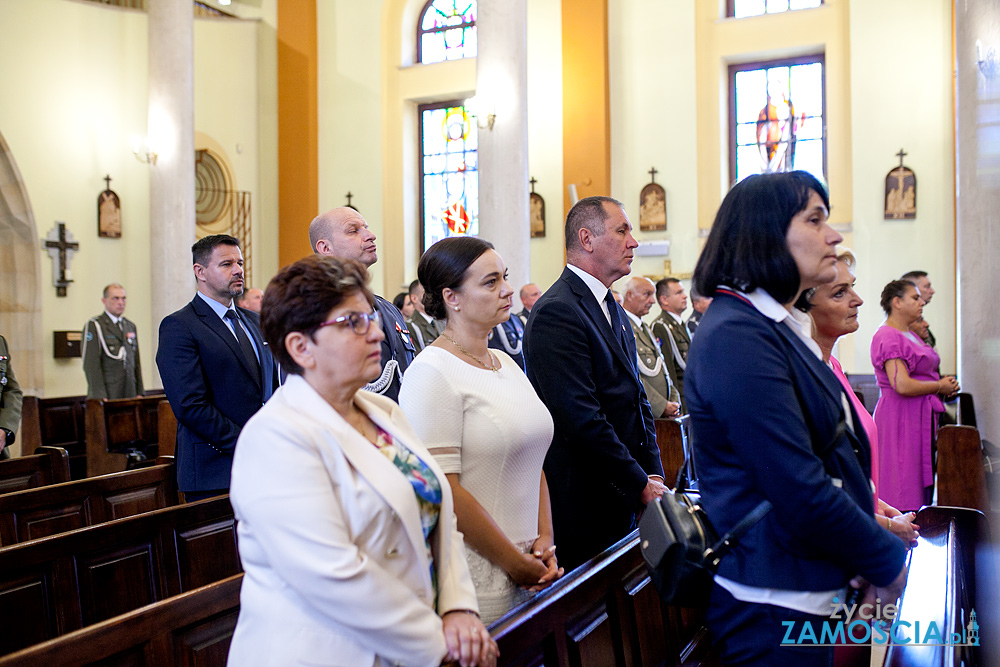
[604, 444]
[768, 422]
[211, 388]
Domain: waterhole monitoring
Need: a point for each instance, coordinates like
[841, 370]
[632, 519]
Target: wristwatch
[9, 440]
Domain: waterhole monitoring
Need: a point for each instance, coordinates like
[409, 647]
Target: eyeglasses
[360, 322]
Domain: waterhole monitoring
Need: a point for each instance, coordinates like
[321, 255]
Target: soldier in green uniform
[654, 368]
[10, 401]
[111, 350]
[670, 329]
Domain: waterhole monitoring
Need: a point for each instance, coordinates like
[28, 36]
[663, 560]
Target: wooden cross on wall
[652, 174]
[60, 245]
[901, 154]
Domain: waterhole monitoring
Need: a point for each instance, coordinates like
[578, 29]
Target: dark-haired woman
[909, 399]
[483, 422]
[346, 528]
[771, 422]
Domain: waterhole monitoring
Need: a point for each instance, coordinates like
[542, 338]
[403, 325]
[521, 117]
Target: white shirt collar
[794, 319]
[430, 320]
[216, 307]
[599, 289]
[114, 320]
[677, 318]
[635, 318]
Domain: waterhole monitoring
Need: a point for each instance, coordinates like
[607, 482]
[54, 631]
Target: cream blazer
[330, 539]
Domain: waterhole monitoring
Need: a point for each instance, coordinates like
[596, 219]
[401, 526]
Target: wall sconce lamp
[484, 114]
[143, 151]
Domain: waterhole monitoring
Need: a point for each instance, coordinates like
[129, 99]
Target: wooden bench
[48, 465]
[55, 585]
[35, 513]
[193, 628]
[56, 422]
[114, 426]
[605, 612]
[952, 571]
[961, 476]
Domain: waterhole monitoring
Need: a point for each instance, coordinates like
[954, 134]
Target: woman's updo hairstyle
[891, 291]
[444, 266]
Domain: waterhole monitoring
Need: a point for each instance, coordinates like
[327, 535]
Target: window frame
[731, 10]
[421, 32]
[735, 68]
[421, 108]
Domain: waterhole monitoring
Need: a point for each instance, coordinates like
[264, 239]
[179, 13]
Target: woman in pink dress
[910, 391]
[834, 311]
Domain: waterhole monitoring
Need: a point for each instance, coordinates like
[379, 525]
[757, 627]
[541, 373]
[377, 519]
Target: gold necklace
[479, 361]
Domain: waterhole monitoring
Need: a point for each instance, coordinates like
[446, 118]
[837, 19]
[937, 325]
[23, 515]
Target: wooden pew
[48, 465]
[952, 571]
[55, 585]
[605, 612]
[961, 476]
[35, 513]
[57, 422]
[115, 426]
[167, 429]
[670, 441]
[193, 628]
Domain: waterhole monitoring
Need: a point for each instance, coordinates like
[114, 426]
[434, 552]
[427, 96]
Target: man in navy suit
[603, 465]
[215, 367]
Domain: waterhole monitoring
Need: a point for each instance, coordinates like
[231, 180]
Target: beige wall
[69, 117]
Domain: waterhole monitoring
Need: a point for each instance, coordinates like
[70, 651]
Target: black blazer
[212, 390]
[768, 421]
[604, 444]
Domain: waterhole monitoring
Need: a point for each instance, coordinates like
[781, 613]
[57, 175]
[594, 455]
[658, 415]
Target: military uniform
[397, 350]
[654, 369]
[674, 343]
[424, 331]
[509, 336]
[10, 401]
[111, 358]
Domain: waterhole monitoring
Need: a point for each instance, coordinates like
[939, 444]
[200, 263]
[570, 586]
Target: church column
[501, 88]
[170, 129]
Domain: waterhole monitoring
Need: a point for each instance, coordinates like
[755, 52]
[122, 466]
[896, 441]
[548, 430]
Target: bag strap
[730, 539]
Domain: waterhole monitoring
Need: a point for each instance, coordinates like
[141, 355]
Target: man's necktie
[244, 341]
[616, 320]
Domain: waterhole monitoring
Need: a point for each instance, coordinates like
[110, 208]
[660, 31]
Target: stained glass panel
[778, 118]
[449, 172]
[743, 8]
[447, 31]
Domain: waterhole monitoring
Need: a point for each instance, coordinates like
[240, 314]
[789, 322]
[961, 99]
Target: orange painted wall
[298, 165]
[586, 104]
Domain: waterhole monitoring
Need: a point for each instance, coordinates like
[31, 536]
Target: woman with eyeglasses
[346, 524]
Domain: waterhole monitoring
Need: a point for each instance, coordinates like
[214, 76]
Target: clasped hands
[468, 641]
[538, 568]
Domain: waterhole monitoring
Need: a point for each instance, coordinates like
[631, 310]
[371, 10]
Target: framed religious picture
[652, 206]
[536, 211]
[901, 192]
[109, 213]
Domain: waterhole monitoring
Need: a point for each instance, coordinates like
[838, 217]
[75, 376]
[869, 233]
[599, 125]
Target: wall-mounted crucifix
[652, 205]
[349, 204]
[60, 245]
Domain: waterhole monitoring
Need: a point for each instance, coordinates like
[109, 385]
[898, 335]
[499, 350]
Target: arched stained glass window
[447, 31]
[449, 170]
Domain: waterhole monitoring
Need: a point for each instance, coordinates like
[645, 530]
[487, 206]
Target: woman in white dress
[485, 426]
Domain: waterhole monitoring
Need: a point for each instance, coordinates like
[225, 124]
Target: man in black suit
[603, 465]
[215, 367]
[343, 232]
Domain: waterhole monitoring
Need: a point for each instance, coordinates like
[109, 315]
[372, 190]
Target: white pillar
[170, 129]
[501, 85]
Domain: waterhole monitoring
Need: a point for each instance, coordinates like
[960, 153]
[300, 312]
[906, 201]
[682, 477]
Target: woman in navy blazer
[771, 422]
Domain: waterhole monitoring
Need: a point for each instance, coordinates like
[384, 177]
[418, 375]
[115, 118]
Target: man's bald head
[640, 294]
[343, 233]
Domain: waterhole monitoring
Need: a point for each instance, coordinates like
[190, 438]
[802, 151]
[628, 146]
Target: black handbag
[680, 547]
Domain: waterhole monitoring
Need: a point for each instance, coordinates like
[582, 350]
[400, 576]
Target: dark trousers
[749, 634]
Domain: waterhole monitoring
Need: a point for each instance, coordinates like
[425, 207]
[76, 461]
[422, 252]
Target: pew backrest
[961, 473]
[117, 425]
[606, 612]
[193, 628]
[48, 465]
[49, 510]
[58, 584]
[56, 422]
